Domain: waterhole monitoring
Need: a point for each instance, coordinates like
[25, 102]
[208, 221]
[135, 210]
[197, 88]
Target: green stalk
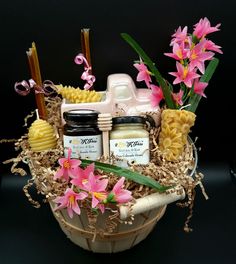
[128, 174]
[195, 98]
[161, 81]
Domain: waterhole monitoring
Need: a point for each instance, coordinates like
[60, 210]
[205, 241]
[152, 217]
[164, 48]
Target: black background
[55, 27]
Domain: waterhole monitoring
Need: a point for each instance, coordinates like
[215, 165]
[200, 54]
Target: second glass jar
[129, 140]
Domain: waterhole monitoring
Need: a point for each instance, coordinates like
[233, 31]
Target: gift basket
[108, 163]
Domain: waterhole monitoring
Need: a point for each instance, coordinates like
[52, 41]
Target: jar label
[131, 149]
[84, 147]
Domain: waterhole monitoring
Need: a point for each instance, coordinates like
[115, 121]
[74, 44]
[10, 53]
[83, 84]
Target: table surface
[29, 235]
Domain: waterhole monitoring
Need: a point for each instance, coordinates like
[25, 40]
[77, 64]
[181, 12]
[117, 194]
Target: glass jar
[81, 134]
[129, 140]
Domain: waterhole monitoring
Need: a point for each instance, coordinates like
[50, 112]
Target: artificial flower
[198, 56]
[179, 52]
[203, 28]
[210, 45]
[97, 189]
[70, 201]
[156, 95]
[144, 73]
[119, 194]
[180, 36]
[68, 167]
[81, 175]
[184, 74]
[178, 97]
[199, 87]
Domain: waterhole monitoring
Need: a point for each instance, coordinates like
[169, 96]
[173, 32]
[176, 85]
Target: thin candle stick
[85, 44]
[36, 76]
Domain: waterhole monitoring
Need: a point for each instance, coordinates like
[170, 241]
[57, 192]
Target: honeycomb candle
[41, 136]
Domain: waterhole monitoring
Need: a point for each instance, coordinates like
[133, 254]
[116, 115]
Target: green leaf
[161, 81]
[195, 98]
[128, 174]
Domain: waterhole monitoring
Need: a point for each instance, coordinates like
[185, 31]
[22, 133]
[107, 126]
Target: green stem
[195, 98]
[161, 81]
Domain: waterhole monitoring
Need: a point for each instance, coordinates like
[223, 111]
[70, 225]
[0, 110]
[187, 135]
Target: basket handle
[150, 202]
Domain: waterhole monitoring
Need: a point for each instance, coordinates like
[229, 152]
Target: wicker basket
[124, 237]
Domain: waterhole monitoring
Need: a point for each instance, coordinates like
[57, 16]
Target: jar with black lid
[81, 134]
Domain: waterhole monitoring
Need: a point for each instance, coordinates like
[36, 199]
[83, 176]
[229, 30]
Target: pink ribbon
[86, 76]
[24, 87]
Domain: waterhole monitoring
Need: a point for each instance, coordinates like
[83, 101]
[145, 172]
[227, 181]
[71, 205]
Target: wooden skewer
[36, 76]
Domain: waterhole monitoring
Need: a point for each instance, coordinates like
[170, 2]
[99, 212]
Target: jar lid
[128, 119]
[86, 116]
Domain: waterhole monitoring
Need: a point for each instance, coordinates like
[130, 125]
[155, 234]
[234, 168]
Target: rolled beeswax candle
[41, 136]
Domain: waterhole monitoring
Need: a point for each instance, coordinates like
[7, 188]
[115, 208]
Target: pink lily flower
[144, 74]
[180, 36]
[96, 188]
[210, 45]
[184, 74]
[68, 167]
[199, 87]
[121, 195]
[178, 97]
[203, 27]
[179, 53]
[156, 95]
[198, 56]
[70, 201]
[81, 175]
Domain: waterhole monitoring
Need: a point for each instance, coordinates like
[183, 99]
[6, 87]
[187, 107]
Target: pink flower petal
[76, 209]
[102, 208]
[58, 174]
[101, 185]
[70, 212]
[95, 201]
[118, 185]
[124, 196]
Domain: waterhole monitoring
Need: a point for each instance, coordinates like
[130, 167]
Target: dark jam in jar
[81, 134]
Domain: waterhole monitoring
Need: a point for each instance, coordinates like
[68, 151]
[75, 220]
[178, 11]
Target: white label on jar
[84, 147]
[131, 149]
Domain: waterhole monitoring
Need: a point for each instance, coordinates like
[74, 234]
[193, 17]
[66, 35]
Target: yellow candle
[76, 95]
[41, 136]
[175, 127]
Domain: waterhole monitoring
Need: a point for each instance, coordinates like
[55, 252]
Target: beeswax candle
[175, 127]
[41, 136]
[36, 76]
